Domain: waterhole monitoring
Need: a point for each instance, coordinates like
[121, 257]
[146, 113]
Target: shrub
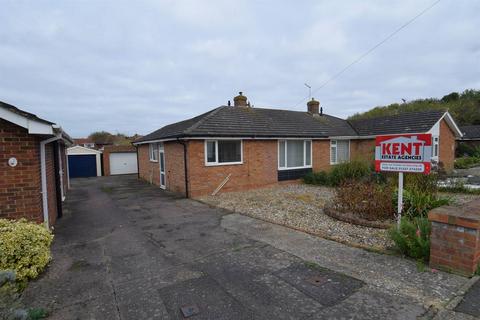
[466, 162]
[412, 238]
[417, 203]
[369, 200]
[356, 169]
[350, 170]
[426, 183]
[464, 150]
[318, 178]
[24, 247]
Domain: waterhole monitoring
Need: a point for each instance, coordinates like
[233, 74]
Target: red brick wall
[259, 168]
[174, 167]
[321, 155]
[112, 149]
[447, 146]
[19, 186]
[363, 149]
[148, 171]
[455, 238]
[51, 183]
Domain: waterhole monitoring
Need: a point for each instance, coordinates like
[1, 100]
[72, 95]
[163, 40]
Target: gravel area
[300, 207]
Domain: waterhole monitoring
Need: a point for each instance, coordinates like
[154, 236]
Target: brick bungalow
[241, 147]
[33, 166]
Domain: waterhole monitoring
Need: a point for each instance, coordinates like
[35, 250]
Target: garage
[84, 162]
[123, 163]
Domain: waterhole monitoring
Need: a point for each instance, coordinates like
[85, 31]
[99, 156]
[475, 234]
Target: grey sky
[134, 66]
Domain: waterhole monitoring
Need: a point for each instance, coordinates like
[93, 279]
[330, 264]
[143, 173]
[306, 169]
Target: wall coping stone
[468, 215]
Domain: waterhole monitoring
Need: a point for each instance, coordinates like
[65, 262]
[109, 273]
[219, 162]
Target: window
[294, 154]
[435, 147]
[220, 152]
[153, 152]
[339, 151]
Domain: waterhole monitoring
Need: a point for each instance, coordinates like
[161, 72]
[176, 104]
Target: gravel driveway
[299, 206]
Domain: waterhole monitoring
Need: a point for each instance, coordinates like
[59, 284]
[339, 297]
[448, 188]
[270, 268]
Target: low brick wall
[455, 238]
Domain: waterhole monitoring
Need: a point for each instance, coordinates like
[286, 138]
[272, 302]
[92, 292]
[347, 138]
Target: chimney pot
[313, 106]
[240, 100]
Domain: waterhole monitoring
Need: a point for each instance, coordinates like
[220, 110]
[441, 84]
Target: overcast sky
[135, 66]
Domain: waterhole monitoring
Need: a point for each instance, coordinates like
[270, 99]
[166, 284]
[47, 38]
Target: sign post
[409, 153]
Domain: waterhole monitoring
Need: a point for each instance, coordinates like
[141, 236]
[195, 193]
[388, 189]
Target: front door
[162, 168]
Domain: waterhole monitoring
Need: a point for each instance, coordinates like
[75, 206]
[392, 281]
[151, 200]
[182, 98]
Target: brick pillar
[455, 238]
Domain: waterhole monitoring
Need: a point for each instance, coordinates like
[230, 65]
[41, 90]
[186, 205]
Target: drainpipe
[43, 173]
[185, 164]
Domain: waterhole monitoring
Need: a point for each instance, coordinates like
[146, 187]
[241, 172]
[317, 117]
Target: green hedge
[466, 162]
[340, 173]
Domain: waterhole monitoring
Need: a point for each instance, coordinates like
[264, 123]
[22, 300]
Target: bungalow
[471, 136]
[241, 147]
[33, 166]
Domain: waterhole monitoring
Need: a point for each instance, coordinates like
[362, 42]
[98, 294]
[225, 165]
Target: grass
[37, 313]
[107, 189]
[460, 189]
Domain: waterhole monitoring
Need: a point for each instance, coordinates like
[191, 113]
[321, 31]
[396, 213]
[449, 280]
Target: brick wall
[259, 168]
[362, 149]
[19, 186]
[51, 183]
[321, 155]
[455, 238]
[174, 167]
[148, 171]
[112, 149]
[447, 146]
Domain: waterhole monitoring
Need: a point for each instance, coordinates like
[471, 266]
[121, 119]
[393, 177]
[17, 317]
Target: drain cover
[190, 310]
[317, 280]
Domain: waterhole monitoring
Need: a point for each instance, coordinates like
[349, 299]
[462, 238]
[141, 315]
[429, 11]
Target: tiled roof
[470, 132]
[408, 122]
[23, 113]
[227, 121]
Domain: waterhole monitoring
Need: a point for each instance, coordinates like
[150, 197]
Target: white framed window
[153, 151]
[294, 154]
[223, 152]
[435, 149]
[339, 151]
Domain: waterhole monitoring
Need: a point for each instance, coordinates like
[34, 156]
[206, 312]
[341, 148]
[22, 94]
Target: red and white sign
[404, 153]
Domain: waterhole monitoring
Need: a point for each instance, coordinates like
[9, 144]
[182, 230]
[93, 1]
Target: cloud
[135, 66]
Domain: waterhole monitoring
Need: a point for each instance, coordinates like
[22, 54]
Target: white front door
[162, 168]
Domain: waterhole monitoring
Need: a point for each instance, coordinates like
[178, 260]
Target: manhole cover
[189, 311]
[317, 280]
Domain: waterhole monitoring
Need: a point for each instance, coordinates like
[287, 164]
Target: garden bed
[300, 207]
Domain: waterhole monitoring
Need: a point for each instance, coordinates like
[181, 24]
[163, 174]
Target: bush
[464, 150]
[317, 178]
[340, 173]
[413, 237]
[417, 203]
[368, 199]
[466, 162]
[426, 183]
[24, 247]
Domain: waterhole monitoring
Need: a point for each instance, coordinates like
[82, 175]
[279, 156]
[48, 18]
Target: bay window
[223, 152]
[294, 154]
[339, 151]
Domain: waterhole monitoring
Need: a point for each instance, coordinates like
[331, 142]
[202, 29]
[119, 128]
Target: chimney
[313, 106]
[240, 100]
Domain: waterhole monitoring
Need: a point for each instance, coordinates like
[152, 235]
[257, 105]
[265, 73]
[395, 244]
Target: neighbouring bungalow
[471, 136]
[33, 166]
[242, 147]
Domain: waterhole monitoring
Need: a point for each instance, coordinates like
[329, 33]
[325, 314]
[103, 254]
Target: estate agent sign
[410, 153]
[404, 153]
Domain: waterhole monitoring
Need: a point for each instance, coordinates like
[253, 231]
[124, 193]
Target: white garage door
[123, 163]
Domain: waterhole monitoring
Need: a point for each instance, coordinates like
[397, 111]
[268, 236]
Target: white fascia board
[33, 127]
[81, 150]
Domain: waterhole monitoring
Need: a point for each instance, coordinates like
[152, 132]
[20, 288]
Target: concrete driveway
[128, 250]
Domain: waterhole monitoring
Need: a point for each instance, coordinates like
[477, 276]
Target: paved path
[127, 250]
